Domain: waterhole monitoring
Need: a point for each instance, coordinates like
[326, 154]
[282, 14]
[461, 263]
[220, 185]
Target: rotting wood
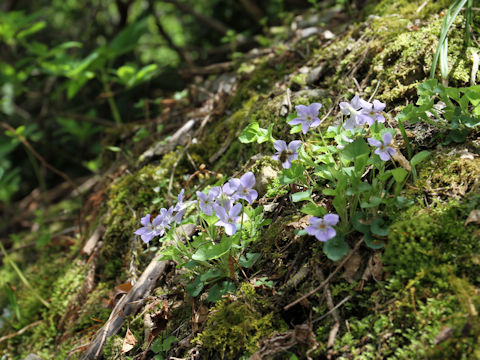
[128, 305]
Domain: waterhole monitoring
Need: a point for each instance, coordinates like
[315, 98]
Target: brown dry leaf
[129, 342]
[374, 268]
[473, 217]
[160, 319]
[300, 224]
[351, 267]
[398, 157]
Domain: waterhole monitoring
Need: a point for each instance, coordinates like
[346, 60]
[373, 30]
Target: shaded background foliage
[72, 70]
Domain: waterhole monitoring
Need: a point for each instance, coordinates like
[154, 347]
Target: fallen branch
[21, 331]
[129, 304]
[318, 288]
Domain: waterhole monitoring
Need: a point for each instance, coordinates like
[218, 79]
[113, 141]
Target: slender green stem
[22, 277]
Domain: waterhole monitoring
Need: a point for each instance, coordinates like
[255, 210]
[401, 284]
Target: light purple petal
[355, 103]
[346, 139]
[201, 196]
[344, 108]
[374, 142]
[294, 145]
[302, 110]
[315, 221]
[248, 180]
[385, 156]
[280, 145]
[387, 138]
[315, 123]
[221, 213]
[294, 156]
[366, 105]
[145, 221]
[234, 211]
[178, 216]
[363, 118]
[391, 150]
[159, 218]
[214, 192]
[331, 233]
[305, 127]
[275, 157]
[314, 108]
[286, 164]
[143, 230]
[380, 118]
[350, 124]
[296, 121]
[311, 230]
[147, 237]
[331, 219]
[206, 209]
[322, 235]
[378, 106]
[230, 229]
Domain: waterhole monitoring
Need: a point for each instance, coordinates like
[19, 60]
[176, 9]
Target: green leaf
[372, 243]
[353, 150]
[210, 274]
[335, 248]
[253, 132]
[248, 259]
[212, 251]
[399, 174]
[359, 224]
[38, 26]
[374, 201]
[217, 291]
[313, 209]
[293, 174]
[127, 39]
[379, 227]
[302, 196]
[195, 287]
[418, 158]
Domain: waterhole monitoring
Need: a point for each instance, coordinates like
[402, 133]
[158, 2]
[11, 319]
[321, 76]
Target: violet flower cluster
[362, 112]
[162, 222]
[359, 112]
[220, 199]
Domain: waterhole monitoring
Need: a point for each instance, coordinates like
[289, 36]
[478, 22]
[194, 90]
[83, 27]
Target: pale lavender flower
[242, 188]
[147, 232]
[383, 150]
[322, 228]
[181, 207]
[286, 154]
[372, 112]
[228, 219]
[162, 222]
[307, 116]
[206, 201]
[354, 110]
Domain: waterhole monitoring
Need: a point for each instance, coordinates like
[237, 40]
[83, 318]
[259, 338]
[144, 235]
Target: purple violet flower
[307, 116]
[242, 188]
[181, 207]
[162, 222]
[228, 219]
[322, 228]
[147, 233]
[372, 112]
[206, 202]
[352, 109]
[286, 154]
[383, 150]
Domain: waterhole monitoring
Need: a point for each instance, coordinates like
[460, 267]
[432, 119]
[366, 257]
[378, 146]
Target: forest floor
[403, 283]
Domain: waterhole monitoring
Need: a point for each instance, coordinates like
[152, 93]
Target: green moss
[236, 326]
[424, 239]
